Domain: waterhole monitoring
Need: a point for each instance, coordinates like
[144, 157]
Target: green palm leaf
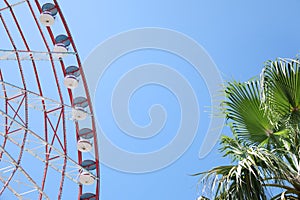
[243, 108]
[281, 89]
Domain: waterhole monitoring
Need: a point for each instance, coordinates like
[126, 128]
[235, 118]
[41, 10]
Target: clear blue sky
[238, 35]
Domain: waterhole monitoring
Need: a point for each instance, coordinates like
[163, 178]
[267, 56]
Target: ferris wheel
[48, 141]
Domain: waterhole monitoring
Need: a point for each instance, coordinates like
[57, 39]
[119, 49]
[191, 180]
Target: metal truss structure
[48, 141]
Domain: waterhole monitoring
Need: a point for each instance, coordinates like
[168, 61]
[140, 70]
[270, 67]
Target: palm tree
[264, 117]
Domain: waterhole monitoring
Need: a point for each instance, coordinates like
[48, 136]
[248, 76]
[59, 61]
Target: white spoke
[31, 55]
[72, 165]
[35, 101]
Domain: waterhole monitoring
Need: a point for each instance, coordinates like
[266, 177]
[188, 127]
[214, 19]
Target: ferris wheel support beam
[57, 153]
[18, 167]
[54, 128]
[31, 55]
[12, 5]
[48, 135]
[9, 187]
[52, 105]
[25, 97]
[6, 110]
[62, 101]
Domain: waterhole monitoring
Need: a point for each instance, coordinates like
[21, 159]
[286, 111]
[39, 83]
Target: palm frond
[243, 108]
[264, 117]
[280, 81]
[249, 178]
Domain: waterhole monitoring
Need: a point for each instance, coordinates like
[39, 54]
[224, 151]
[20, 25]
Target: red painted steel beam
[25, 96]
[46, 118]
[88, 98]
[57, 84]
[6, 110]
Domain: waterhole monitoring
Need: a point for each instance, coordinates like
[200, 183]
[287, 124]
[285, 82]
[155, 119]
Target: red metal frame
[51, 127]
[25, 120]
